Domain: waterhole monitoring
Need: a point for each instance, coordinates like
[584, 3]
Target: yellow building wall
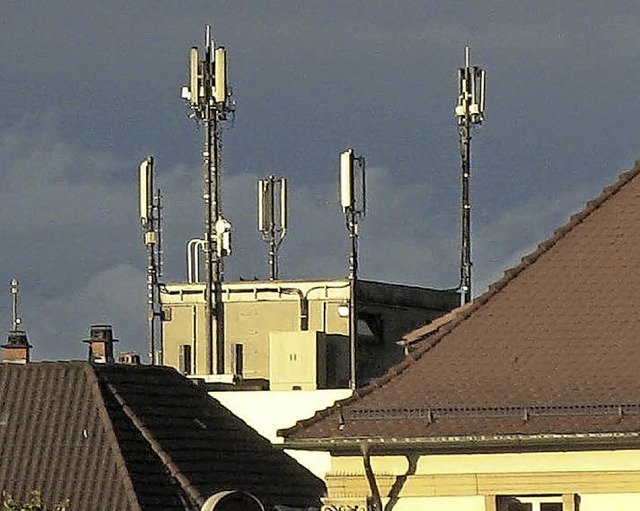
[249, 316]
[603, 479]
[253, 309]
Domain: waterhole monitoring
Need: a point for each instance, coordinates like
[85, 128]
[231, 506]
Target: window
[239, 359]
[530, 503]
[184, 361]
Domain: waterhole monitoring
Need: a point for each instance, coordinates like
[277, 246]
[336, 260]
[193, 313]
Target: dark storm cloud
[89, 88]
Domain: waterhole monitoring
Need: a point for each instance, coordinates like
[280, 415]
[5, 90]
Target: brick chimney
[101, 344]
[17, 349]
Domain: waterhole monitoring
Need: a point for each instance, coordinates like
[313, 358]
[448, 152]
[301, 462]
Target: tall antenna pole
[469, 112]
[15, 320]
[209, 100]
[272, 217]
[354, 209]
[150, 223]
[157, 277]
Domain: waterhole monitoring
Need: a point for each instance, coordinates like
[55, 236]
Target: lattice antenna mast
[469, 113]
[272, 217]
[353, 199]
[150, 218]
[15, 319]
[209, 100]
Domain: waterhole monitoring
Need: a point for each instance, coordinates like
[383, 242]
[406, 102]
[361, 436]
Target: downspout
[371, 478]
[193, 363]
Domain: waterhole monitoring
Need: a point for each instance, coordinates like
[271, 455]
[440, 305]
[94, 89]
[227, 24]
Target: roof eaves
[470, 443]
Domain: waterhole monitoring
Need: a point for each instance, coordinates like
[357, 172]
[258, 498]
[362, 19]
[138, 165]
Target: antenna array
[151, 220]
[272, 217]
[209, 100]
[353, 199]
[469, 113]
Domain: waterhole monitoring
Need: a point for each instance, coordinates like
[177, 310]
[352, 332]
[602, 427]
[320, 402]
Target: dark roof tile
[133, 438]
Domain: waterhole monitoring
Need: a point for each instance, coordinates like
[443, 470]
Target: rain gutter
[470, 443]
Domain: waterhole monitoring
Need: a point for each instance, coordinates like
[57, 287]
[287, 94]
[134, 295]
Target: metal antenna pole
[150, 211]
[469, 112]
[353, 275]
[157, 311]
[159, 248]
[151, 309]
[210, 206]
[15, 320]
[465, 255]
[354, 209]
[273, 262]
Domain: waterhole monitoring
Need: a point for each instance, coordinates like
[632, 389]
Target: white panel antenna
[353, 192]
[146, 190]
[220, 62]
[194, 78]
[346, 179]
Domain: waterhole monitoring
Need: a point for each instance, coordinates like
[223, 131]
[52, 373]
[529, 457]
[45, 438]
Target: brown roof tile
[560, 328]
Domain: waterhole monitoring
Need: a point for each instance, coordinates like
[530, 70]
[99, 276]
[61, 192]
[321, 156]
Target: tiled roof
[133, 438]
[560, 332]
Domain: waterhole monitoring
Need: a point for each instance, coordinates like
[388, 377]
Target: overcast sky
[89, 88]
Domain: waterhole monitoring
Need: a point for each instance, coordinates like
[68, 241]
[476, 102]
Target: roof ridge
[114, 444]
[469, 309]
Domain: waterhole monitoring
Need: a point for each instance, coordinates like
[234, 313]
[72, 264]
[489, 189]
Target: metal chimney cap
[17, 339]
[101, 333]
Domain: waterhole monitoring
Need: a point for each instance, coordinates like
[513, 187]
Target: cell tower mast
[150, 218]
[354, 208]
[469, 113]
[209, 99]
[272, 217]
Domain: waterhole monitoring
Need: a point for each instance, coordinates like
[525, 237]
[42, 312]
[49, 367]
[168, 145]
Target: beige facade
[537, 481]
[295, 335]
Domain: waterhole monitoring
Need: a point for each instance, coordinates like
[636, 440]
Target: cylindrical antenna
[469, 112]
